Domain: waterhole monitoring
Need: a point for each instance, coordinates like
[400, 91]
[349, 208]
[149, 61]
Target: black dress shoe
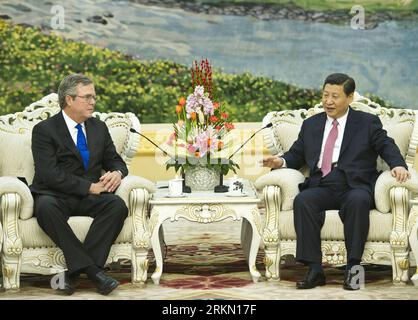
[74, 279]
[65, 285]
[104, 283]
[349, 283]
[311, 280]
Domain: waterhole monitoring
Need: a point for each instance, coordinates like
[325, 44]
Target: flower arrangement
[201, 134]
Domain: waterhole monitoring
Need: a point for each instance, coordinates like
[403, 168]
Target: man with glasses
[70, 151]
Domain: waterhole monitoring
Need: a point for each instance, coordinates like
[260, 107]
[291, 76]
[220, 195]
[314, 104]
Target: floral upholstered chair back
[399, 124]
[16, 131]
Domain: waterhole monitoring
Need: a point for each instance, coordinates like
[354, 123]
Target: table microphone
[165, 152]
[185, 188]
[221, 188]
[269, 125]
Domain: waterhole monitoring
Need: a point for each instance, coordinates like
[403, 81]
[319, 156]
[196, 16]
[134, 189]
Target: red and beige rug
[206, 262]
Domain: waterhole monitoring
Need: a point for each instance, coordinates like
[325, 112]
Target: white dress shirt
[71, 127]
[337, 147]
[74, 131]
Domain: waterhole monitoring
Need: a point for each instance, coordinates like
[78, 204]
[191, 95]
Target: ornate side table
[207, 207]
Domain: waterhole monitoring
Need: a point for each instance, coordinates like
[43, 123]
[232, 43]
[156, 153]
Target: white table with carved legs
[413, 235]
[207, 207]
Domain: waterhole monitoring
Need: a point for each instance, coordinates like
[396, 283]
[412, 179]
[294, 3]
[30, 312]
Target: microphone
[165, 152]
[185, 188]
[221, 188]
[269, 125]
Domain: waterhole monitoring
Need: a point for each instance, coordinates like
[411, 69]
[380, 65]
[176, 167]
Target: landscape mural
[266, 55]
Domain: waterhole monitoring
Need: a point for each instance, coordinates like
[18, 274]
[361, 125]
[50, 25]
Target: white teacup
[235, 186]
[175, 187]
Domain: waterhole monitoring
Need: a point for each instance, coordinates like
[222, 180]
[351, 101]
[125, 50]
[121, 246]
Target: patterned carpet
[206, 262]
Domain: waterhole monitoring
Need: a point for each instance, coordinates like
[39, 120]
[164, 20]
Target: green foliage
[33, 63]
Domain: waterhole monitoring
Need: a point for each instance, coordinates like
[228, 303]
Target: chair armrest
[14, 185]
[287, 179]
[135, 192]
[385, 182]
[130, 183]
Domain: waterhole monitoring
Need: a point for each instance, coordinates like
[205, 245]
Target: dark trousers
[309, 208]
[108, 212]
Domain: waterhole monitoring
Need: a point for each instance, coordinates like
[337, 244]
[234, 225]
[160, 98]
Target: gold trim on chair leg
[413, 235]
[399, 201]
[12, 243]
[1, 247]
[138, 204]
[271, 235]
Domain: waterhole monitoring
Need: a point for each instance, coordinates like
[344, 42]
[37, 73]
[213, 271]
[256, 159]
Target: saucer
[244, 194]
[173, 196]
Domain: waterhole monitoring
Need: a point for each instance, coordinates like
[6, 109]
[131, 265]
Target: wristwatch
[121, 174]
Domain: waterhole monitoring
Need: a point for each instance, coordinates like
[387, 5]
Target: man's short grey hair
[68, 87]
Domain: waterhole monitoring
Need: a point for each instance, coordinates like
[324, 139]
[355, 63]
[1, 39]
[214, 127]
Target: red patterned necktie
[329, 149]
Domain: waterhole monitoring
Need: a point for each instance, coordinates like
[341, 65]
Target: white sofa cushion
[400, 130]
[333, 229]
[18, 162]
[34, 237]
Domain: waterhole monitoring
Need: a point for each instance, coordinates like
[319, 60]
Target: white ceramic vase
[202, 178]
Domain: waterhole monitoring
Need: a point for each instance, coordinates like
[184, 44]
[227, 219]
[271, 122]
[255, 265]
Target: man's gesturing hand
[111, 180]
[272, 162]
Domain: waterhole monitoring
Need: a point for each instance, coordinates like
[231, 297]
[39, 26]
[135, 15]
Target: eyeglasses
[88, 97]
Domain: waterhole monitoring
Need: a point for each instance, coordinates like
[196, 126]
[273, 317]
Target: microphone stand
[186, 189]
[221, 188]
[153, 143]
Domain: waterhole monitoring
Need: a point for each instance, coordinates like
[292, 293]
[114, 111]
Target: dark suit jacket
[364, 139]
[59, 167]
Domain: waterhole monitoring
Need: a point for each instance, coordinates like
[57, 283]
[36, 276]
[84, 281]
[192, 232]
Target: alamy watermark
[58, 281]
[58, 19]
[358, 21]
[358, 277]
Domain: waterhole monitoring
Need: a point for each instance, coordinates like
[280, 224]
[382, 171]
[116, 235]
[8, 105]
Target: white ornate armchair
[26, 248]
[387, 241]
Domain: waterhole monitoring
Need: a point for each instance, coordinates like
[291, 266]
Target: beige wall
[150, 163]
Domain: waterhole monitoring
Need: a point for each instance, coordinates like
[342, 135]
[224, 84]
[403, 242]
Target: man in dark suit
[340, 146]
[70, 151]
